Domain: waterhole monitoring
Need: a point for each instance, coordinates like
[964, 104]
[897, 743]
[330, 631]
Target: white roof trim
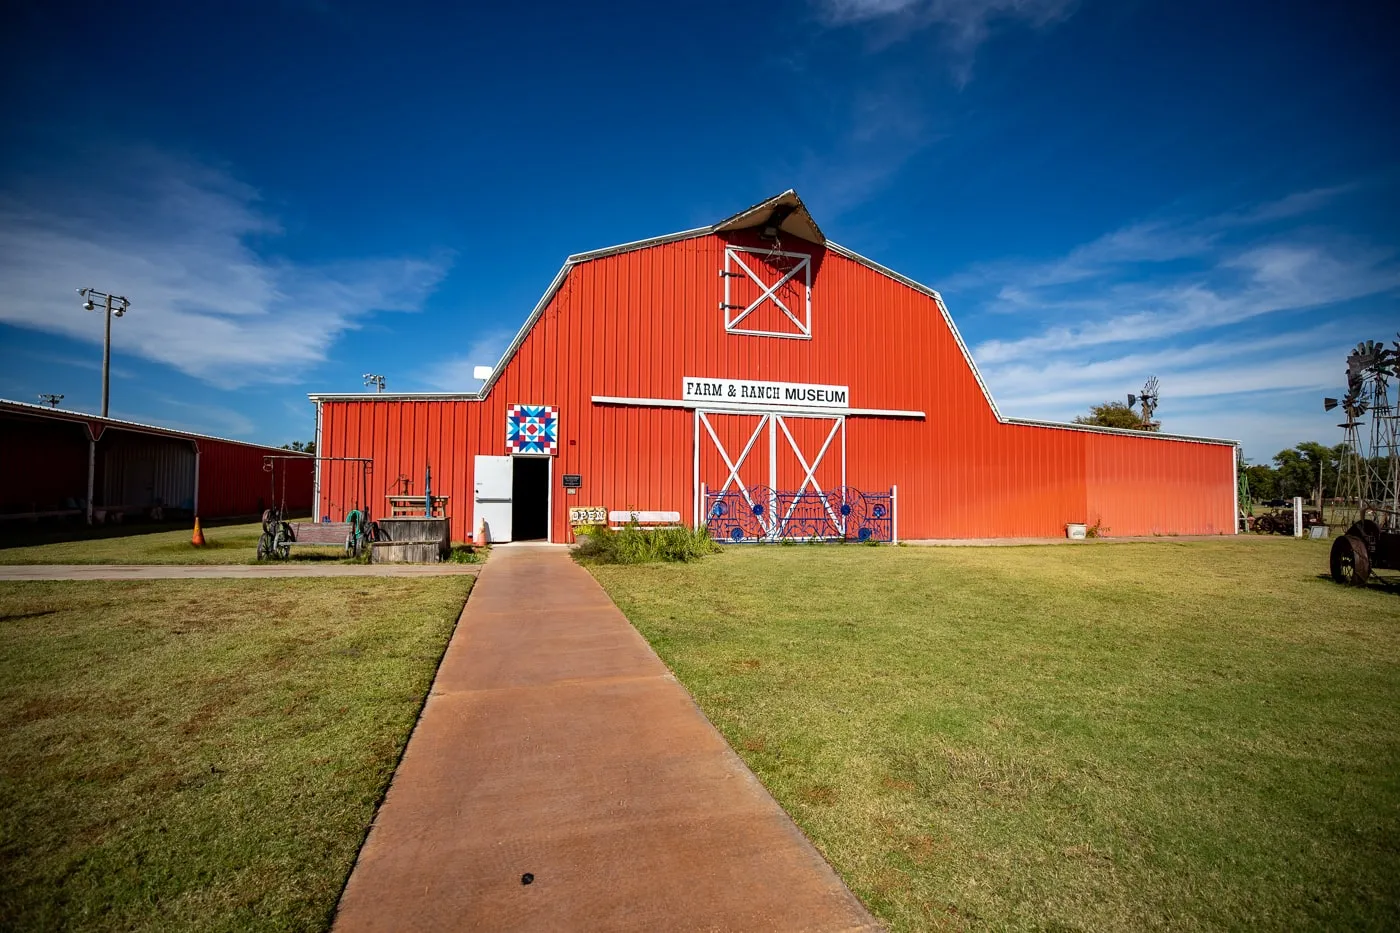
[117, 424]
[1126, 432]
[639, 244]
[525, 328]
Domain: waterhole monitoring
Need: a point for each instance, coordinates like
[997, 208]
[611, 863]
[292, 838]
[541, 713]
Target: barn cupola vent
[776, 218]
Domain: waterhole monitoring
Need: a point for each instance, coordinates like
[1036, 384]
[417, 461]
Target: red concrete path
[555, 742]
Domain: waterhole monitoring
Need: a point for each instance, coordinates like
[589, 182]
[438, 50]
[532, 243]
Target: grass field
[202, 755]
[225, 544]
[1176, 735]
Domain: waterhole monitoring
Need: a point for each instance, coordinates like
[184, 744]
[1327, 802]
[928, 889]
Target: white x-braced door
[766, 462]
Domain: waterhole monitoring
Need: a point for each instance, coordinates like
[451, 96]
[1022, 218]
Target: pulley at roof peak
[784, 214]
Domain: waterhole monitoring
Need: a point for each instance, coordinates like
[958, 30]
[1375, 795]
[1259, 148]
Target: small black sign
[573, 481]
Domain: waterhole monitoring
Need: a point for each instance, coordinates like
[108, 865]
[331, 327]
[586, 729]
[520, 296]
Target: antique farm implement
[1281, 522]
[1370, 473]
[280, 534]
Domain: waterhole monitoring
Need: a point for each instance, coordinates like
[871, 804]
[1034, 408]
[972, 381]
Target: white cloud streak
[181, 241]
[454, 374]
[1190, 302]
[964, 24]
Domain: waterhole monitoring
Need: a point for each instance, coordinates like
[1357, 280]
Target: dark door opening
[529, 516]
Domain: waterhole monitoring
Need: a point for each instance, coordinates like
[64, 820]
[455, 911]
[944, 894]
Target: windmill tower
[1148, 399]
[1370, 468]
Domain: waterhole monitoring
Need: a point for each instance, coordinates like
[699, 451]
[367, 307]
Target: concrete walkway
[225, 571]
[555, 743]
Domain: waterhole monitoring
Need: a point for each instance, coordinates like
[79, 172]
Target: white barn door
[761, 462]
[495, 478]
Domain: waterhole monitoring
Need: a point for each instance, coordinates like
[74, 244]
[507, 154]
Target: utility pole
[114, 305]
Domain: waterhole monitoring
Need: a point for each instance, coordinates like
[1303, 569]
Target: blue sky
[295, 193]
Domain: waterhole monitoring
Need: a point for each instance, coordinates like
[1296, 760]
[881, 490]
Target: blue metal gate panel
[761, 514]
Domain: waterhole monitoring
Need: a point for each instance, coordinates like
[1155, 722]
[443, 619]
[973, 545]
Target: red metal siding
[232, 480]
[635, 324]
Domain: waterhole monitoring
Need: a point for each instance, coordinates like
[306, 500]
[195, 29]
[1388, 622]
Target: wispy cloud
[1229, 310]
[187, 243]
[963, 24]
[454, 374]
[882, 133]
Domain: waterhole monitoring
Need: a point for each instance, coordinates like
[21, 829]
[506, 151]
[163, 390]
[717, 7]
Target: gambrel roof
[782, 213]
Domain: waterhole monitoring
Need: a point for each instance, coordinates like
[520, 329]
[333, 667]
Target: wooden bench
[644, 519]
[329, 533]
[416, 505]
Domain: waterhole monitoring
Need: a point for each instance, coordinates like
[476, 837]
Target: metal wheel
[264, 546]
[1264, 524]
[282, 541]
[1351, 563]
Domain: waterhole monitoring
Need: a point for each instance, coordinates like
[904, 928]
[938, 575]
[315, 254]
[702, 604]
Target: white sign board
[764, 393]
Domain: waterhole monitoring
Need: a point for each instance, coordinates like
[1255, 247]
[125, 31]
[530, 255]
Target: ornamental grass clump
[633, 544]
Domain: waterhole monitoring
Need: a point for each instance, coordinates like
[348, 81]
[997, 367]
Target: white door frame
[772, 420]
[549, 495]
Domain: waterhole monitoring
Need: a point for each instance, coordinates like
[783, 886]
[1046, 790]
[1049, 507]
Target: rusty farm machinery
[1370, 469]
[280, 534]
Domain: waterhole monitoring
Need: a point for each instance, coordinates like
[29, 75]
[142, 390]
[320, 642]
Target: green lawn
[1175, 735]
[225, 544]
[202, 755]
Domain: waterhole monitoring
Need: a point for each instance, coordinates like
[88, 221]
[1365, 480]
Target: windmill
[1148, 398]
[1370, 468]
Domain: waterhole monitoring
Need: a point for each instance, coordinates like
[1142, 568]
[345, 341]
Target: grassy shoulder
[1184, 735]
[225, 544]
[202, 755]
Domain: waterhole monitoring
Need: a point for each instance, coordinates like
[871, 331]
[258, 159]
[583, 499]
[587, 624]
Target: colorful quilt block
[532, 429]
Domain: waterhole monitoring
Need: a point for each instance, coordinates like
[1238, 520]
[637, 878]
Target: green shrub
[467, 554]
[636, 545]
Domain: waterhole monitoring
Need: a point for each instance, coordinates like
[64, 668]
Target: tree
[306, 447]
[1309, 470]
[1263, 481]
[1114, 415]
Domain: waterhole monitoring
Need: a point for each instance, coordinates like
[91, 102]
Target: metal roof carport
[63, 463]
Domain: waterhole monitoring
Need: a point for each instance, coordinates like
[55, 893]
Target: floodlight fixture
[374, 380]
[50, 399]
[115, 306]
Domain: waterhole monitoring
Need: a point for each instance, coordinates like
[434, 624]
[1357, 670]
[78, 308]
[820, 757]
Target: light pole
[114, 305]
[374, 380]
[50, 399]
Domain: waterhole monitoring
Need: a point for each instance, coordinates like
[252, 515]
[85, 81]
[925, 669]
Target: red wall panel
[635, 324]
[232, 480]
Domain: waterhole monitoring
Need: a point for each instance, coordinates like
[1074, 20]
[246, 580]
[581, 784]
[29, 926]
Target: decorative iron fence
[761, 514]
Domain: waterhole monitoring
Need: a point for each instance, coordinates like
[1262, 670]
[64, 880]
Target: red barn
[758, 377]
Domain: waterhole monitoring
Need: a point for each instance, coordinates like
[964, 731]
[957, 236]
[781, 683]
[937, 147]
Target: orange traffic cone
[480, 538]
[197, 539]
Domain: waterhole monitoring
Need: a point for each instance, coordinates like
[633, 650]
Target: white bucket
[1076, 531]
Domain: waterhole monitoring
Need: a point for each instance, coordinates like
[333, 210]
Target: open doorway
[530, 499]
